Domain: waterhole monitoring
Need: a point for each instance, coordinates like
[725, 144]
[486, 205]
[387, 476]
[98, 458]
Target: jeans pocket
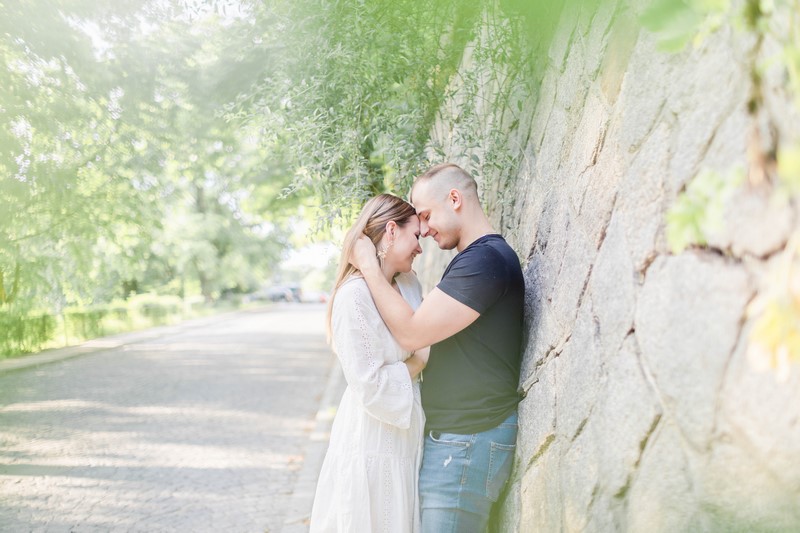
[501, 459]
[451, 439]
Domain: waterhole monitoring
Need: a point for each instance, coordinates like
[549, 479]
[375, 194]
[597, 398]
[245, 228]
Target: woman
[368, 481]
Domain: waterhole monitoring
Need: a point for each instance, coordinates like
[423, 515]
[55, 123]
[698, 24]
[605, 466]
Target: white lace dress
[368, 481]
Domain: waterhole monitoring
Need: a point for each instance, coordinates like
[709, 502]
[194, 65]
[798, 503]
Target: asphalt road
[201, 427]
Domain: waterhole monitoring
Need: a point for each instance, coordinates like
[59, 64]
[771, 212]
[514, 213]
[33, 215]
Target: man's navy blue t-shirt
[470, 383]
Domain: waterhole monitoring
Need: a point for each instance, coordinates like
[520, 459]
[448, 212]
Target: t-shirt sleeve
[477, 278]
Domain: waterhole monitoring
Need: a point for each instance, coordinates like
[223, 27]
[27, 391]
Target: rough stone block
[552, 151]
[572, 83]
[661, 498]
[506, 518]
[600, 195]
[572, 277]
[597, 37]
[586, 146]
[544, 342]
[545, 101]
[604, 515]
[779, 96]
[739, 493]
[762, 415]
[537, 418]
[527, 213]
[562, 40]
[579, 476]
[701, 102]
[613, 287]
[578, 375]
[755, 222]
[641, 203]
[551, 242]
[540, 494]
[687, 322]
[622, 422]
[644, 92]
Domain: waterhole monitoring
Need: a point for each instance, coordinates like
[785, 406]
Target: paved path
[207, 426]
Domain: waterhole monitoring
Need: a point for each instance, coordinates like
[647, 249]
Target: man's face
[436, 217]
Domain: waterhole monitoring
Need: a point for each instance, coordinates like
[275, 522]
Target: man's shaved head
[445, 177]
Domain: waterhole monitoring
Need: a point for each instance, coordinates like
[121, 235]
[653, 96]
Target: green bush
[22, 333]
[86, 323]
[157, 310]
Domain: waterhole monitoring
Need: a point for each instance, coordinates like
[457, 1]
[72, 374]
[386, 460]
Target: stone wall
[642, 411]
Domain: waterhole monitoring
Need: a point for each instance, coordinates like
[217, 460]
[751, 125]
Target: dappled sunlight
[48, 405]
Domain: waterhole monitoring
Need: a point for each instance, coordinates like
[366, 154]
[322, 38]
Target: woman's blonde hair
[372, 223]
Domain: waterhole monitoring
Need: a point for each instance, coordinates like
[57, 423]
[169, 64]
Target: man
[473, 322]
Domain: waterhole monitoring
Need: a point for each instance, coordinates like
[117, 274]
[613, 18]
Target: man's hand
[364, 254]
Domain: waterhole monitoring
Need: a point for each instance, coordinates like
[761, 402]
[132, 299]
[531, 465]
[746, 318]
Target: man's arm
[438, 317]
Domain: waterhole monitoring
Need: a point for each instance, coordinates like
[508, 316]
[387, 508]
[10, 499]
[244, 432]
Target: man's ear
[455, 199]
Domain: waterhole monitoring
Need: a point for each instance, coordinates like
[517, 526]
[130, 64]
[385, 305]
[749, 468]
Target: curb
[298, 511]
[111, 342]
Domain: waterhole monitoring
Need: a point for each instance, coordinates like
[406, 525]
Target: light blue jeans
[462, 477]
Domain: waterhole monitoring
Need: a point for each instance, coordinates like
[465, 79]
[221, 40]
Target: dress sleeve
[384, 389]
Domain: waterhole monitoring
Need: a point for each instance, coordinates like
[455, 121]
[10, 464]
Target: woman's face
[406, 246]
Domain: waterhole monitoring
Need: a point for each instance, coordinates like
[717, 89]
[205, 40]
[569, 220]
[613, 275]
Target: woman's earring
[381, 255]
[382, 252]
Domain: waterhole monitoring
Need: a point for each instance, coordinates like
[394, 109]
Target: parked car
[314, 297]
[280, 294]
[276, 293]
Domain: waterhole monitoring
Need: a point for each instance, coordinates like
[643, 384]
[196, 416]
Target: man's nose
[423, 229]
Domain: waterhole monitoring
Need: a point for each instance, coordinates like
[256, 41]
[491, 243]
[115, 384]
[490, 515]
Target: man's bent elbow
[404, 336]
[408, 344]
[408, 341]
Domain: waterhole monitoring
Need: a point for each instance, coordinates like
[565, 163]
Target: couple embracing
[413, 451]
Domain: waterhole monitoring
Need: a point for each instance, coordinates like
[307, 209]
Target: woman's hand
[418, 361]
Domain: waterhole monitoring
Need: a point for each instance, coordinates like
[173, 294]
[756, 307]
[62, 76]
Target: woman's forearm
[416, 363]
